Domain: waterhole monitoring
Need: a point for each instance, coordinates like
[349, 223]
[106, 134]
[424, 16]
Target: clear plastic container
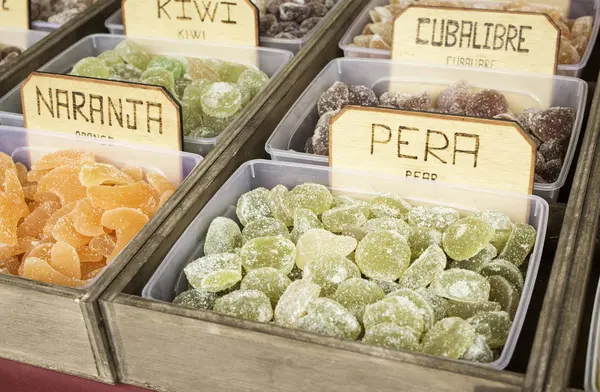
[591, 364]
[578, 8]
[270, 61]
[168, 280]
[41, 25]
[521, 90]
[23, 39]
[114, 24]
[26, 146]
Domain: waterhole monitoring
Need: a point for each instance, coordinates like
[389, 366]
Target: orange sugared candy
[65, 219]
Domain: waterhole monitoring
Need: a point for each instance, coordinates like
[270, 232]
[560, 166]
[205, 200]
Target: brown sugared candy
[291, 19]
[362, 96]
[420, 101]
[320, 139]
[486, 104]
[336, 97]
[454, 99]
[553, 124]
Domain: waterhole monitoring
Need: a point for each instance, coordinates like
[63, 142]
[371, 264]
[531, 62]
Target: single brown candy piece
[553, 149]
[486, 104]
[317, 9]
[567, 54]
[553, 169]
[553, 123]
[335, 98]
[582, 27]
[266, 22]
[310, 23]
[320, 139]
[293, 11]
[361, 95]
[454, 99]
[526, 116]
[419, 101]
[289, 27]
[273, 6]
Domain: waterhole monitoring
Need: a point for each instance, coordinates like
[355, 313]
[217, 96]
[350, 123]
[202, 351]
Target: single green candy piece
[436, 217]
[111, 58]
[253, 205]
[505, 269]
[314, 197]
[214, 273]
[217, 124]
[326, 311]
[425, 269]
[347, 200]
[125, 72]
[450, 338]
[294, 302]
[133, 54]
[223, 236]
[476, 262]
[519, 244]
[192, 119]
[159, 77]
[180, 86]
[390, 206]
[329, 272]
[437, 303]
[338, 218]
[506, 294]
[246, 304]
[466, 310]
[416, 298]
[383, 255]
[387, 286]
[479, 351]
[275, 251]
[176, 65]
[500, 239]
[201, 69]
[195, 299]
[318, 244]
[222, 100]
[230, 71]
[278, 208]
[304, 220]
[264, 227]
[355, 294]
[494, 326]
[461, 285]
[192, 95]
[466, 237]
[91, 67]
[246, 95]
[392, 336]
[499, 222]
[217, 65]
[267, 280]
[355, 232]
[253, 79]
[421, 238]
[393, 224]
[397, 310]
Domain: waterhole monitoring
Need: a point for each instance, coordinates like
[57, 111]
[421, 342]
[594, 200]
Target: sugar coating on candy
[454, 99]
[176, 65]
[494, 326]
[264, 227]
[466, 237]
[553, 123]
[425, 269]
[437, 303]
[450, 338]
[553, 169]
[519, 244]
[424, 308]
[387, 285]
[223, 236]
[420, 101]
[436, 217]
[246, 304]
[133, 54]
[334, 98]
[196, 299]
[267, 280]
[125, 72]
[479, 351]
[304, 220]
[277, 206]
[477, 262]
[222, 100]
[504, 293]
[323, 314]
[253, 205]
[397, 310]
[505, 269]
[355, 294]
[486, 104]
[318, 244]
[338, 218]
[294, 302]
[421, 238]
[389, 205]
[329, 273]
[383, 255]
[275, 251]
[567, 53]
[392, 224]
[91, 67]
[253, 79]
[320, 138]
[465, 310]
[461, 285]
[362, 96]
[214, 273]
[314, 197]
[392, 336]
[553, 149]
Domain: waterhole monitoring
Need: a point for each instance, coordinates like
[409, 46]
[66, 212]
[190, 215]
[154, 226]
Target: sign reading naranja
[508, 40]
[14, 14]
[102, 109]
[225, 22]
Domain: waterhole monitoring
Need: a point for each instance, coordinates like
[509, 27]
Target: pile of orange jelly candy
[64, 220]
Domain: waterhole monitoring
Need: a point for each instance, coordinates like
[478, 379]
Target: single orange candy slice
[159, 182]
[36, 175]
[29, 191]
[103, 174]
[40, 270]
[21, 173]
[64, 259]
[87, 255]
[10, 214]
[86, 218]
[103, 244]
[10, 265]
[64, 183]
[64, 231]
[41, 251]
[91, 270]
[22, 246]
[63, 158]
[33, 224]
[46, 196]
[13, 188]
[135, 195]
[55, 217]
[134, 172]
[6, 163]
[127, 222]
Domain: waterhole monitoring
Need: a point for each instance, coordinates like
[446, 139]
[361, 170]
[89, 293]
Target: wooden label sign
[226, 22]
[517, 41]
[102, 109]
[14, 14]
[469, 151]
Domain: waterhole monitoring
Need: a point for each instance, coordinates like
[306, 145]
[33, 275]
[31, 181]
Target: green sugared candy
[125, 73]
[479, 351]
[330, 318]
[246, 304]
[267, 280]
[502, 225]
[318, 244]
[217, 124]
[111, 58]
[253, 79]
[421, 238]
[437, 303]
[392, 335]
[91, 67]
[192, 95]
[278, 208]
[314, 197]
[195, 299]
[264, 227]
[329, 272]
[192, 119]
[477, 262]
[355, 294]
[494, 326]
[133, 54]
[437, 217]
[303, 221]
[223, 236]
[158, 77]
[396, 310]
[465, 310]
[519, 244]
[385, 223]
[214, 273]
[504, 293]
[505, 269]
[386, 285]
[466, 237]
[294, 302]
[339, 218]
[461, 285]
[176, 65]
[222, 100]
[425, 269]
[275, 251]
[450, 338]
[180, 86]
[425, 309]
[383, 255]
[389, 206]
[253, 205]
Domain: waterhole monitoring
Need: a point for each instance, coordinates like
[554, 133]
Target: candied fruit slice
[314, 197]
[392, 224]
[461, 285]
[264, 227]
[223, 236]
[329, 273]
[420, 301]
[36, 175]
[33, 224]
[505, 269]
[64, 259]
[133, 54]
[355, 294]
[91, 270]
[222, 100]
[454, 99]
[421, 238]
[21, 173]
[392, 336]
[304, 220]
[437, 303]
[246, 304]
[253, 80]
[318, 244]
[54, 218]
[63, 182]
[397, 310]
[506, 294]
[22, 245]
[294, 302]
[334, 98]
[136, 195]
[163, 198]
[425, 269]
[476, 262]
[64, 230]
[127, 222]
[87, 255]
[103, 244]
[10, 215]
[40, 251]
[486, 104]
[436, 217]
[14, 190]
[134, 172]
[268, 280]
[275, 251]
[316, 323]
[389, 205]
[40, 270]
[6, 163]
[324, 311]
[103, 174]
[494, 326]
[159, 182]
[214, 273]
[253, 205]
[338, 218]
[277, 206]
[450, 338]
[383, 255]
[195, 299]
[29, 191]
[63, 158]
[479, 351]
[465, 310]
[466, 237]
[10, 265]
[86, 218]
[200, 69]
[519, 244]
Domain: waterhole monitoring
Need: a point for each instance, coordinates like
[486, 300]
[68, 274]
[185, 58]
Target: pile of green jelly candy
[419, 278]
[212, 92]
